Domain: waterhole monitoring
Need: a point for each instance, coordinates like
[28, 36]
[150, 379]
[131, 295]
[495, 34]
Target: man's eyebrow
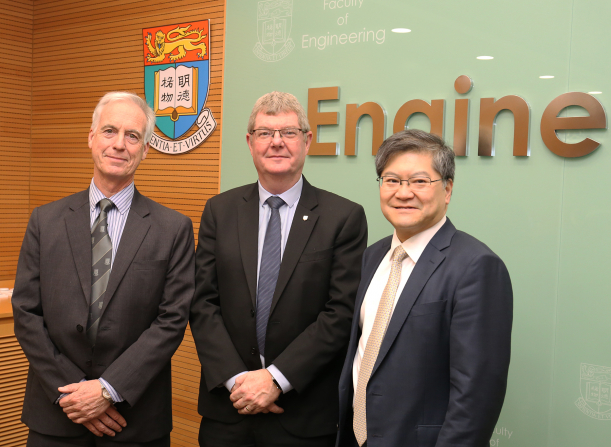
[411, 175]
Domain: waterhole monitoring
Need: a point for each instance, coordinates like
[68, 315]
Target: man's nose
[119, 142]
[277, 138]
[404, 191]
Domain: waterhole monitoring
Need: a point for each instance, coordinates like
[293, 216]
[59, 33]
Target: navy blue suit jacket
[441, 373]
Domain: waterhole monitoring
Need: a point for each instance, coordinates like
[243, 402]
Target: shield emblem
[595, 387]
[274, 22]
[176, 74]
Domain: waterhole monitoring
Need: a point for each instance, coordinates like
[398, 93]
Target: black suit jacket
[441, 372]
[145, 312]
[312, 307]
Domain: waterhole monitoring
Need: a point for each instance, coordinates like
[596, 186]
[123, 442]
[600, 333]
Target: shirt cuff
[276, 374]
[116, 397]
[61, 396]
[231, 382]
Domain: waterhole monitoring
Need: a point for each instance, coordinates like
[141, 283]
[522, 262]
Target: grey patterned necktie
[268, 271]
[101, 256]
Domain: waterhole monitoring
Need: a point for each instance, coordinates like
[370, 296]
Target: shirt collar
[122, 199]
[415, 245]
[290, 196]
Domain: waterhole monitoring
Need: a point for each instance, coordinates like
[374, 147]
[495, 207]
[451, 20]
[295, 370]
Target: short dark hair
[414, 140]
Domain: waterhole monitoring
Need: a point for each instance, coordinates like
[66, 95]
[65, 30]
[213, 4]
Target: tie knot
[105, 205]
[275, 202]
[399, 254]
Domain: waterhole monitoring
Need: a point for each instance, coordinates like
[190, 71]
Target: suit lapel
[78, 226]
[298, 237]
[429, 261]
[248, 236]
[136, 228]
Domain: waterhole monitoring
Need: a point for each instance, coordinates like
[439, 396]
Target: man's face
[117, 144]
[412, 212]
[277, 159]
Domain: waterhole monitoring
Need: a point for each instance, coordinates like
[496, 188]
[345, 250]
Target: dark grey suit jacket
[311, 312]
[441, 372]
[143, 320]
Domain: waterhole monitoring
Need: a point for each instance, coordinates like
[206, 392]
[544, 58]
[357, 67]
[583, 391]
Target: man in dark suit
[102, 294]
[430, 341]
[277, 268]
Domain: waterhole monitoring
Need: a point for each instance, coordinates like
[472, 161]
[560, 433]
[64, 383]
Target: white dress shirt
[414, 246]
[287, 212]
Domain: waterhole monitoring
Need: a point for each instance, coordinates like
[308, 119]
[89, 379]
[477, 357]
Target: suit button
[253, 351]
[88, 363]
[79, 328]
[252, 312]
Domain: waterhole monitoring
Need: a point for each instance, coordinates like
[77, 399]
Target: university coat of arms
[176, 80]
[595, 386]
[274, 20]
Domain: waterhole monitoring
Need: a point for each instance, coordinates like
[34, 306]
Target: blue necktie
[101, 254]
[268, 271]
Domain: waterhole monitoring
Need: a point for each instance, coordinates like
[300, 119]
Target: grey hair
[126, 96]
[275, 103]
[414, 140]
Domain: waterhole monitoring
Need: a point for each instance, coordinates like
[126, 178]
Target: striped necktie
[359, 423]
[101, 256]
[268, 271]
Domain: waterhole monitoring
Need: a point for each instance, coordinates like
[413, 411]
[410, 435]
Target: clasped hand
[255, 392]
[85, 405]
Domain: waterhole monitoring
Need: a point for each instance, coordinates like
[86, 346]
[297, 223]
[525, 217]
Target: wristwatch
[106, 395]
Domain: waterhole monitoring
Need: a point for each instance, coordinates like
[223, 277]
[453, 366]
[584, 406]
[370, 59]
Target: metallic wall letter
[462, 85]
[353, 116]
[489, 109]
[434, 111]
[550, 122]
[316, 118]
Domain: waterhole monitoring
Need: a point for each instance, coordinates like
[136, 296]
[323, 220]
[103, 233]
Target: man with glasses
[277, 269]
[102, 294]
[430, 341]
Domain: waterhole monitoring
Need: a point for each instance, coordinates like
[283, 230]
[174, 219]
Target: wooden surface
[16, 27]
[13, 375]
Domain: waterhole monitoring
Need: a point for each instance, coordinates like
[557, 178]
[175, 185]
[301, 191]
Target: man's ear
[308, 141]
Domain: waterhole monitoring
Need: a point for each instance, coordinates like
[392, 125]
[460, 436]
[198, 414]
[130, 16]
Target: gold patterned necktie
[359, 423]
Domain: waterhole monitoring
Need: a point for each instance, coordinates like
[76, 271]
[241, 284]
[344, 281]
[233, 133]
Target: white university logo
[274, 20]
[595, 387]
[95, 272]
[102, 228]
[107, 261]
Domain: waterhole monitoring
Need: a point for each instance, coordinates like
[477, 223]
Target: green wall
[546, 216]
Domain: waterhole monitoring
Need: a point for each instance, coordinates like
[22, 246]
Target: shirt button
[79, 328]
[252, 312]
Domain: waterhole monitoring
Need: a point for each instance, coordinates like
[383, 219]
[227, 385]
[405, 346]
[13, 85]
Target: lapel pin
[305, 217]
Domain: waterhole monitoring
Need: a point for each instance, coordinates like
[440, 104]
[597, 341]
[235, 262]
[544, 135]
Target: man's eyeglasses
[289, 133]
[391, 183]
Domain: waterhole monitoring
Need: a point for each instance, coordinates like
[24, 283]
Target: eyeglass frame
[380, 181]
[252, 132]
